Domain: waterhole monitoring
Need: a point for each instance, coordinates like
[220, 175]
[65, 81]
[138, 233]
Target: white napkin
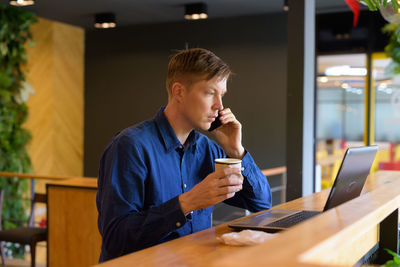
[245, 238]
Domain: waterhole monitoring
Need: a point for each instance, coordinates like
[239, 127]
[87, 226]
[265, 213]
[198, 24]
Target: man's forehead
[217, 82]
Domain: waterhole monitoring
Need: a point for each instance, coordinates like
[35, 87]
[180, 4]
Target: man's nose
[218, 103]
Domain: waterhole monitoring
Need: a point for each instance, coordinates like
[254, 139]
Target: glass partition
[341, 82]
[387, 114]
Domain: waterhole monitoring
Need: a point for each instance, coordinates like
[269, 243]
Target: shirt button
[178, 224]
[181, 147]
[184, 185]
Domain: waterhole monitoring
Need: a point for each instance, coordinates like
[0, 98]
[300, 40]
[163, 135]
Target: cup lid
[228, 161]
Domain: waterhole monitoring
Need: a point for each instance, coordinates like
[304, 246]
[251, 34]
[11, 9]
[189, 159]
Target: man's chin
[204, 127]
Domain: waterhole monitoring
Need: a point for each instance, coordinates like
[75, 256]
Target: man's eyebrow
[216, 90]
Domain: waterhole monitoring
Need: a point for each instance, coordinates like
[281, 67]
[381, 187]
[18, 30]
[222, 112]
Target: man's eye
[210, 93]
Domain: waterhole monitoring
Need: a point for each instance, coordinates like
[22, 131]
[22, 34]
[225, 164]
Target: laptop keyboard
[293, 219]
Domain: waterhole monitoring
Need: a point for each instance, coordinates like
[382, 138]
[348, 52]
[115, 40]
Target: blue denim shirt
[143, 171]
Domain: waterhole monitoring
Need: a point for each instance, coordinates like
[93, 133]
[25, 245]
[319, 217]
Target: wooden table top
[40, 176]
[76, 182]
[301, 245]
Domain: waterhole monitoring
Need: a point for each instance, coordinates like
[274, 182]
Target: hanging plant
[390, 13]
[375, 5]
[392, 49]
[15, 35]
[388, 8]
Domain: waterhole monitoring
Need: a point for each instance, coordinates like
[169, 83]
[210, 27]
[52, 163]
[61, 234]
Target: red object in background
[389, 166]
[342, 144]
[355, 8]
[43, 223]
[391, 152]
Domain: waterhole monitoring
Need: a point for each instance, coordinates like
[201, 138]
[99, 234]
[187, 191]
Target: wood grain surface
[340, 236]
[56, 72]
[73, 238]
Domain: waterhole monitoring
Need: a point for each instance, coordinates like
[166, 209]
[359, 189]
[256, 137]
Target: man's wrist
[238, 153]
[185, 203]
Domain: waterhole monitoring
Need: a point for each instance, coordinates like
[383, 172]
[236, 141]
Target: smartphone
[215, 124]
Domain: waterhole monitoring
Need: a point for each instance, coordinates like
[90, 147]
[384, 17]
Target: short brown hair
[196, 62]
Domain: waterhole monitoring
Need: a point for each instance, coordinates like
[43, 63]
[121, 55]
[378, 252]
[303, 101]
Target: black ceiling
[131, 12]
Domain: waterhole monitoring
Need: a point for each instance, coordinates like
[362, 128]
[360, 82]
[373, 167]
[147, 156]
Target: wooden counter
[340, 236]
[73, 238]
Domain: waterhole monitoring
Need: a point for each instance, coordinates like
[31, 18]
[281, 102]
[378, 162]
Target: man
[157, 180]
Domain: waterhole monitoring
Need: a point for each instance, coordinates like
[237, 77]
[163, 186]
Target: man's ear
[178, 91]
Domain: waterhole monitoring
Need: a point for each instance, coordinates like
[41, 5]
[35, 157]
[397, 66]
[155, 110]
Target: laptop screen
[352, 174]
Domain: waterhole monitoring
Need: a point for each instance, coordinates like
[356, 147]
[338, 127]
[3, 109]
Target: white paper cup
[227, 163]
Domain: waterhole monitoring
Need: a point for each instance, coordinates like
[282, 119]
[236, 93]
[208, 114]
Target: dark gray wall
[126, 69]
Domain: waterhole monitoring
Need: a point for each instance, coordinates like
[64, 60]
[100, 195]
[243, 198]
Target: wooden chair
[29, 235]
[3, 254]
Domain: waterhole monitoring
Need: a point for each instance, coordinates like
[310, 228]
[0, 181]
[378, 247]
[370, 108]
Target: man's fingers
[225, 111]
[224, 196]
[228, 171]
[230, 180]
[229, 195]
[228, 190]
[221, 184]
[220, 173]
[227, 116]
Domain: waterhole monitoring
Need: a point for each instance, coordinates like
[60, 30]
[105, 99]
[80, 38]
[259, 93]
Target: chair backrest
[37, 198]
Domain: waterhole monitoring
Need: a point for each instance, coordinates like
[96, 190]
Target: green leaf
[390, 69]
[396, 257]
[390, 263]
[383, 3]
[389, 27]
[378, 4]
[371, 5]
[395, 5]
[5, 80]
[396, 54]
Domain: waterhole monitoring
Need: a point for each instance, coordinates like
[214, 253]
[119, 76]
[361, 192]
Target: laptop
[348, 184]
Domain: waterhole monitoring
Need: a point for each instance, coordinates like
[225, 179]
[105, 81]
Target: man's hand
[229, 135]
[216, 187]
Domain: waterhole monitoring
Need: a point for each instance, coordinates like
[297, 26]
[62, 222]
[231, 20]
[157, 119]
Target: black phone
[215, 124]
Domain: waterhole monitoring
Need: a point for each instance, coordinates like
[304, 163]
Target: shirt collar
[167, 133]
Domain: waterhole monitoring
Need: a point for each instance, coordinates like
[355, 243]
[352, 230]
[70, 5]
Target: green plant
[375, 5]
[395, 262]
[14, 36]
[392, 49]
[396, 259]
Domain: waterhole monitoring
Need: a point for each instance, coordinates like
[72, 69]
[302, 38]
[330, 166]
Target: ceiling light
[345, 86]
[105, 20]
[22, 2]
[196, 11]
[345, 70]
[323, 79]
